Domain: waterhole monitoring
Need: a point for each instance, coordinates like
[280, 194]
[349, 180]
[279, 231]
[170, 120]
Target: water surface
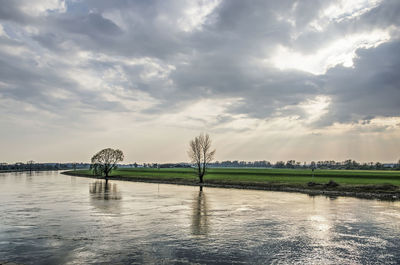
[49, 218]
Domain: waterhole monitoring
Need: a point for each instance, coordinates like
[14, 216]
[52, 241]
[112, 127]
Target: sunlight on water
[48, 218]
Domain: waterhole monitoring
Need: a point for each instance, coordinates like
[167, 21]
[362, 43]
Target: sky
[267, 80]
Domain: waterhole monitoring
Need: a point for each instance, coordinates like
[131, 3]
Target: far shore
[373, 191]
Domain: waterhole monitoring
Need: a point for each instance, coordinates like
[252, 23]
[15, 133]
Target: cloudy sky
[268, 80]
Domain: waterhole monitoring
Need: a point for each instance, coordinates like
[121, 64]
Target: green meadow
[260, 176]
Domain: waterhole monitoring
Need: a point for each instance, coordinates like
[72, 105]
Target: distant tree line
[329, 164]
[352, 164]
[237, 163]
[163, 165]
[32, 166]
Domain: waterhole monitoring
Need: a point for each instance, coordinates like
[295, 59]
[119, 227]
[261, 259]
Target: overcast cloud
[78, 75]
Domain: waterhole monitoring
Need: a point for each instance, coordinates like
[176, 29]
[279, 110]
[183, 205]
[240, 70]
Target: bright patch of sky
[339, 52]
[37, 8]
[196, 13]
[347, 9]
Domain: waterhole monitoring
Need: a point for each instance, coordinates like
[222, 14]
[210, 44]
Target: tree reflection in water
[200, 214]
[105, 196]
[104, 191]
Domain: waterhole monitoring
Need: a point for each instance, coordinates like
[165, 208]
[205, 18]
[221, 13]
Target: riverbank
[381, 191]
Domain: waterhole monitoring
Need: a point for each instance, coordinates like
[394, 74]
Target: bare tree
[201, 154]
[105, 161]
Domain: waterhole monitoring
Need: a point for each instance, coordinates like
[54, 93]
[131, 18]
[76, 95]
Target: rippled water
[48, 218]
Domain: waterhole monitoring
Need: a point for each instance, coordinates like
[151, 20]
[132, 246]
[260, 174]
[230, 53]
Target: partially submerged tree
[201, 154]
[105, 161]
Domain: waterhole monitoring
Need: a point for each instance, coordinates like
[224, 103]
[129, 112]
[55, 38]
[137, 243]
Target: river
[50, 218]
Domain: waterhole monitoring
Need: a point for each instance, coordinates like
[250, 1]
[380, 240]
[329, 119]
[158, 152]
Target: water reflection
[104, 191]
[200, 222]
[330, 197]
[105, 196]
[29, 177]
[56, 221]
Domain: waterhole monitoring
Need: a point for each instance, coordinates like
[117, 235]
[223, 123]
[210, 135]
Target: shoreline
[316, 191]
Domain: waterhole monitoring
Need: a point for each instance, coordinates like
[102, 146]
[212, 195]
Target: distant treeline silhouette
[32, 166]
[329, 164]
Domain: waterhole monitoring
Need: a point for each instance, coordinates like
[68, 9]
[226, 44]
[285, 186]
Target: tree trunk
[199, 172]
[201, 176]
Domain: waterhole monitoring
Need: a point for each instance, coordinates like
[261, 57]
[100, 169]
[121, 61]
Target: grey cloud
[11, 11]
[262, 91]
[23, 80]
[250, 29]
[385, 14]
[305, 11]
[370, 89]
[381, 17]
[222, 60]
[52, 42]
[94, 25]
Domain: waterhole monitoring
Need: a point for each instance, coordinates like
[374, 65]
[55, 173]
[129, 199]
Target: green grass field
[279, 176]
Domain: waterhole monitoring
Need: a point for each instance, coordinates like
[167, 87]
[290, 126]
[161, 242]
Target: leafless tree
[201, 154]
[105, 161]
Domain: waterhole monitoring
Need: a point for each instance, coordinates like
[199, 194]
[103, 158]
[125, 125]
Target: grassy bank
[350, 181]
[296, 176]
